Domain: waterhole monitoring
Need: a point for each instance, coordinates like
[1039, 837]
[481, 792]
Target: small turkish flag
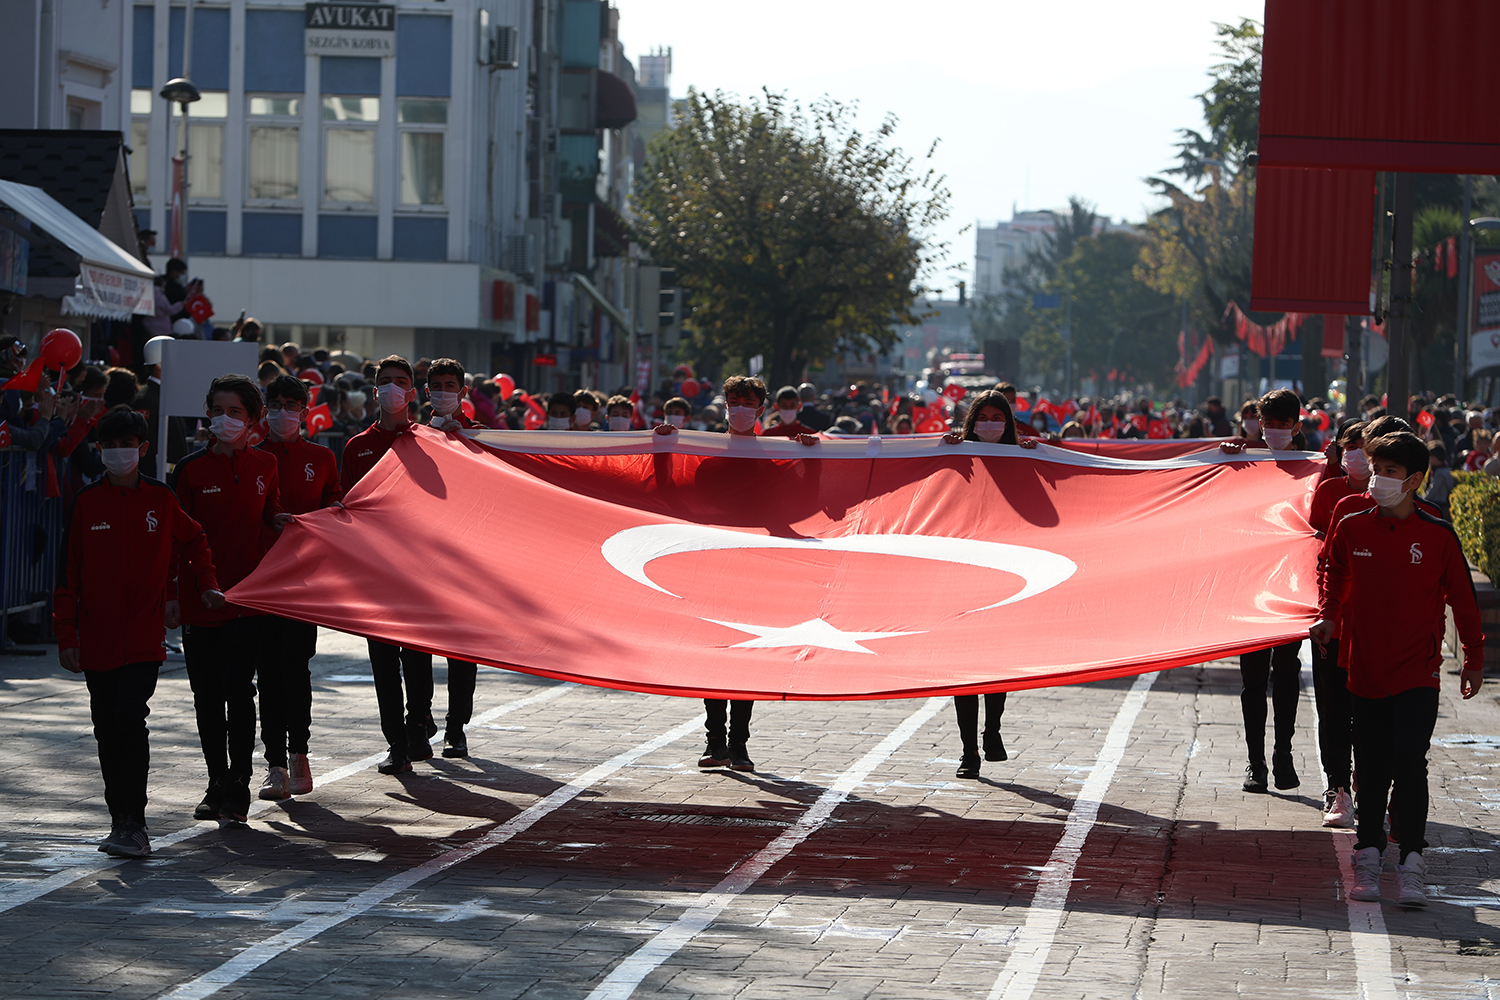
[1158, 429]
[200, 308]
[4, 434]
[955, 392]
[1425, 418]
[1022, 404]
[1452, 256]
[319, 419]
[1140, 422]
[258, 432]
[932, 425]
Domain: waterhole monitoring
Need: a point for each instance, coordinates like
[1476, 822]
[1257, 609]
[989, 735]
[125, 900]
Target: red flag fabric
[1452, 256]
[26, 380]
[4, 434]
[319, 419]
[897, 563]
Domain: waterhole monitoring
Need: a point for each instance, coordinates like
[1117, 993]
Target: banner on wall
[1484, 344]
[349, 29]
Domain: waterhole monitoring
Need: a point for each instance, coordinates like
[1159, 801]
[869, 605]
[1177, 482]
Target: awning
[1313, 230]
[605, 304]
[112, 284]
[616, 104]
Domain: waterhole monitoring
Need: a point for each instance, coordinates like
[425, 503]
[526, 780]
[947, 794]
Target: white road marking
[1024, 966]
[20, 891]
[1372, 945]
[257, 955]
[626, 976]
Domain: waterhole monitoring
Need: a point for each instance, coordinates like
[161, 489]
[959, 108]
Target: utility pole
[1397, 375]
[1466, 264]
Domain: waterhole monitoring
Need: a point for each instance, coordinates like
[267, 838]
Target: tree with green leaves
[796, 235]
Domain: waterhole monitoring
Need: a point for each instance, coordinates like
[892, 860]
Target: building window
[349, 149]
[206, 149]
[423, 130]
[275, 138]
[140, 158]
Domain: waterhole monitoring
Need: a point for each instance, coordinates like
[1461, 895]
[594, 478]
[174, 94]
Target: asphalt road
[579, 853]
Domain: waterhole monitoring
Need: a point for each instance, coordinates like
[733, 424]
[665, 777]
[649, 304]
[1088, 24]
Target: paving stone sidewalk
[918, 886]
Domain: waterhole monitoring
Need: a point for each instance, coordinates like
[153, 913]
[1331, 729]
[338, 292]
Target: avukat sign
[705, 565]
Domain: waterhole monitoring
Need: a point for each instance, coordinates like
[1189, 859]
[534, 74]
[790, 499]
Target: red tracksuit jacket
[118, 557]
[232, 496]
[1387, 580]
[307, 474]
[364, 449]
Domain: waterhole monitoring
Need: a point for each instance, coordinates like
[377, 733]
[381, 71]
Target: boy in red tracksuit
[126, 535]
[446, 390]
[1388, 573]
[390, 665]
[232, 491]
[307, 477]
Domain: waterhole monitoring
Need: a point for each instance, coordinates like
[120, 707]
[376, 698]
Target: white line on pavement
[19, 892]
[1029, 955]
[1372, 946]
[622, 982]
[257, 955]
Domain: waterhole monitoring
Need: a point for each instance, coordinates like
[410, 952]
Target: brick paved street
[580, 852]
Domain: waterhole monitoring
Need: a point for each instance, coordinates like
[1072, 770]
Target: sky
[1031, 102]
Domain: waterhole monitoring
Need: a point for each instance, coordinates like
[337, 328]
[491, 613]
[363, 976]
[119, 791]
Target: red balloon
[506, 385]
[1322, 420]
[690, 388]
[467, 406]
[61, 349]
[311, 375]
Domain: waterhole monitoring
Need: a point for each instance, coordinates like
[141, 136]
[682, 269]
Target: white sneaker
[1412, 877]
[1338, 808]
[275, 787]
[300, 782]
[1366, 876]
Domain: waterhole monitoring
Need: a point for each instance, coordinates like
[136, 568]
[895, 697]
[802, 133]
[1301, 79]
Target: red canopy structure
[706, 565]
[1380, 85]
[1313, 230]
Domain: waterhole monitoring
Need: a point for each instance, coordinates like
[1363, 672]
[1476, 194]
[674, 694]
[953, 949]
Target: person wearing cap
[148, 400]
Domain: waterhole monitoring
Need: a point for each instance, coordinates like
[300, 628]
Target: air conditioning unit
[505, 47]
[519, 260]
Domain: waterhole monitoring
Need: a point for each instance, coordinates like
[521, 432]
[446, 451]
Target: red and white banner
[707, 565]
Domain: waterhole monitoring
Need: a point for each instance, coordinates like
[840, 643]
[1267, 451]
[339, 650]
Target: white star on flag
[813, 633]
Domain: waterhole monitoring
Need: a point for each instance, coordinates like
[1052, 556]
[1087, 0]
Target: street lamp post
[182, 92]
[1466, 293]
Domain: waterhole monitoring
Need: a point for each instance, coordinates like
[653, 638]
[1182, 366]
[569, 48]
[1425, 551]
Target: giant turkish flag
[707, 565]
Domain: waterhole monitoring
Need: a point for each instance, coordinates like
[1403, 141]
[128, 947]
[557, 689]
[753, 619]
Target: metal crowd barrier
[31, 530]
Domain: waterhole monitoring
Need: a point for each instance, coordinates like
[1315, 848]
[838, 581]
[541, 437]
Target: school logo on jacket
[308, 471]
[1416, 554]
[211, 489]
[150, 520]
[260, 485]
[101, 526]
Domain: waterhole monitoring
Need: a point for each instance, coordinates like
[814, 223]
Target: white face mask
[391, 397]
[1277, 438]
[1357, 464]
[284, 424]
[444, 403]
[787, 416]
[1387, 491]
[227, 429]
[120, 461]
[989, 431]
[741, 418]
[558, 423]
[1252, 427]
[619, 423]
[676, 420]
[583, 417]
